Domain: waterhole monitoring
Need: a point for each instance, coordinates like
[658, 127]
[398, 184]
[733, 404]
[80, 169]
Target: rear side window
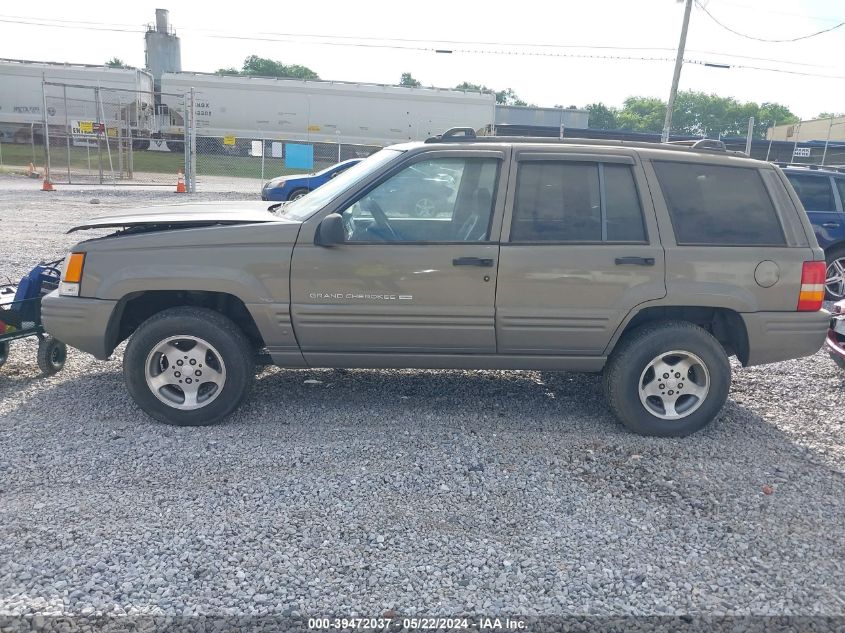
[716, 205]
[814, 191]
[567, 201]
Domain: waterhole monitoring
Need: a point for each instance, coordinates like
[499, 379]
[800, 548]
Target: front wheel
[188, 366]
[52, 355]
[667, 379]
[834, 283]
[297, 194]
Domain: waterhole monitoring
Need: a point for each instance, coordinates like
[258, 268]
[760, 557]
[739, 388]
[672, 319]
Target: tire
[836, 358]
[4, 352]
[226, 366]
[296, 194]
[52, 355]
[835, 268]
[629, 376]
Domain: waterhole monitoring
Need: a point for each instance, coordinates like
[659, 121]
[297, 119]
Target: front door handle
[831, 225]
[473, 261]
[635, 261]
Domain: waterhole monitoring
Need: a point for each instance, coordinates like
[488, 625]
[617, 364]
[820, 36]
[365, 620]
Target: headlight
[72, 275]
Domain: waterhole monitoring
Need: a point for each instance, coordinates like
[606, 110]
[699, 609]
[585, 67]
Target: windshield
[306, 206]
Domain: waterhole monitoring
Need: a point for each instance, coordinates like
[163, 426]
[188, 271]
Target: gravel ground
[412, 492]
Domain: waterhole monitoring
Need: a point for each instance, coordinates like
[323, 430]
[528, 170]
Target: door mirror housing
[331, 231]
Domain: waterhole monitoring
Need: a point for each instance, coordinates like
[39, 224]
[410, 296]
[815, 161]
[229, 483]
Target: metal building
[541, 117]
[832, 128]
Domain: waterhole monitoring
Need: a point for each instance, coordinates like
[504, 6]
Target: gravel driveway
[412, 492]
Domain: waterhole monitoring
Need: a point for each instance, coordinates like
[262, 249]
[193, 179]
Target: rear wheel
[834, 283]
[188, 366]
[667, 379]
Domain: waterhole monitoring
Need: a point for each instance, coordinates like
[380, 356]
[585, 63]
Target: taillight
[812, 287]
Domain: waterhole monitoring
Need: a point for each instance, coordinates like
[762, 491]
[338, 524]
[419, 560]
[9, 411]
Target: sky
[535, 47]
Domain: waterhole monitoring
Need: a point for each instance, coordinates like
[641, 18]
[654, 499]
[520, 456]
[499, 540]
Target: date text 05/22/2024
[418, 623]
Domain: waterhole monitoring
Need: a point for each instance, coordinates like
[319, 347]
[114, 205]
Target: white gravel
[420, 492]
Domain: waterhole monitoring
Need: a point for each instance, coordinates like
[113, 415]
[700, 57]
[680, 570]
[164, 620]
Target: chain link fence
[95, 134]
[245, 164]
[100, 135]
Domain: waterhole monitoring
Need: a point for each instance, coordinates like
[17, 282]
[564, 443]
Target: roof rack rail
[467, 134]
[703, 143]
[811, 166]
[454, 134]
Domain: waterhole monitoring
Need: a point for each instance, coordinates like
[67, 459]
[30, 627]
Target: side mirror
[331, 231]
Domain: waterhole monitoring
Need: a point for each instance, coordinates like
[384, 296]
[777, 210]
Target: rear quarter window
[813, 191]
[717, 205]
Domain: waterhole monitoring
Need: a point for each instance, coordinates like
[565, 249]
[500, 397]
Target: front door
[580, 249]
[417, 272]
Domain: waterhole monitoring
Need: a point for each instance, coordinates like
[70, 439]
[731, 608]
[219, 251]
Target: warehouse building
[832, 128]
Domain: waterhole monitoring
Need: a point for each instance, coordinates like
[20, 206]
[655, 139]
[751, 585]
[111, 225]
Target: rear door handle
[473, 261]
[831, 225]
[635, 261]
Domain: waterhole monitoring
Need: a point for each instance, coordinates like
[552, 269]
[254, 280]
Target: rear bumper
[778, 336]
[81, 323]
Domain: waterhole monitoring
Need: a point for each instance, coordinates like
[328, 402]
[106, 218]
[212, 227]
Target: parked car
[822, 192]
[424, 190]
[589, 256]
[835, 341]
[291, 188]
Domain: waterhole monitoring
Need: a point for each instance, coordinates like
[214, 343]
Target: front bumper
[79, 322]
[779, 336]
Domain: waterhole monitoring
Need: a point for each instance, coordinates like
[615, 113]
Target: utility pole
[679, 61]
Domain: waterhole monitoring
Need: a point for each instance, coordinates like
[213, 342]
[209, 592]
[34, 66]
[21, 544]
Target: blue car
[292, 187]
[822, 192]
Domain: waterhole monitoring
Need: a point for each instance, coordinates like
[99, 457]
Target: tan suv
[650, 263]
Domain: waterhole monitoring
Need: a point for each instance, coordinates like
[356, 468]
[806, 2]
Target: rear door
[580, 249]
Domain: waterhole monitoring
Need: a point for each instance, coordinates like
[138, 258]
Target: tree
[116, 62]
[830, 115]
[474, 87]
[408, 80]
[601, 116]
[642, 114]
[509, 97]
[255, 66]
[702, 114]
[503, 97]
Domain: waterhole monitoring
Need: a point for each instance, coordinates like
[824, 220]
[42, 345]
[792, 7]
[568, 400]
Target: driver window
[436, 200]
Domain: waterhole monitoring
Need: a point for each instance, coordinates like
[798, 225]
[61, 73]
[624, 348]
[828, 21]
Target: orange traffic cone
[47, 185]
[180, 182]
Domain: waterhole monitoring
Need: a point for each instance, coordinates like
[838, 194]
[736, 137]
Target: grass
[148, 161]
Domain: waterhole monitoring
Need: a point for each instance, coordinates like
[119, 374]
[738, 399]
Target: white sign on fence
[801, 152]
[158, 145]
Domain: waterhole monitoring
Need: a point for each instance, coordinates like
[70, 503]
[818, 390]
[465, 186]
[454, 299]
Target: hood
[188, 215]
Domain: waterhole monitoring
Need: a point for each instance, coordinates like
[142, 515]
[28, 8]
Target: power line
[761, 39]
[476, 51]
[68, 26]
[372, 42]
[756, 9]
